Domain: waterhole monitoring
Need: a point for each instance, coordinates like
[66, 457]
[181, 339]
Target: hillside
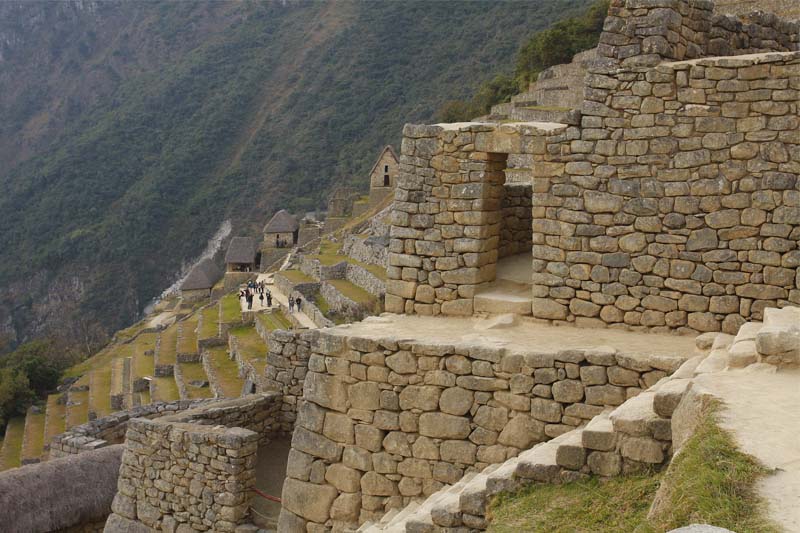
[136, 128]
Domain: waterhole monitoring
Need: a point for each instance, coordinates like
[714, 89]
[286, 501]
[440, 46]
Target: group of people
[259, 288]
[253, 288]
[280, 243]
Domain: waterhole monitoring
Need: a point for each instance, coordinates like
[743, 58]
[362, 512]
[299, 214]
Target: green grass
[712, 482]
[274, 320]
[167, 347]
[709, 482]
[34, 435]
[296, 276]
[100, 401]
[325, 308]
[144, 365]
[227, 372]
[330, 253]
[56, 422]
[210, 327]
[354, 292]
[590, 506]
[144, 397]
[187, 342]
[231, 308]
[78, 414]
[195, 372]
[251, 346]
[11, 453]
[166, 389]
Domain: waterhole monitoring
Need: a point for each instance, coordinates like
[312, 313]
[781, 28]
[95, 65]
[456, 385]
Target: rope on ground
[266, 496]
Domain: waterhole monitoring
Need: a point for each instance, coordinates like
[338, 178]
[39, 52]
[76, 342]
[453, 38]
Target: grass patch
[168, 345]
[330, 253]
[11, 453]
[354, 292]
[55, 418]
[100, 401]
[325, 308]
[144, 397]
[250, 346]
[34, 435]
[195, 372]
[227, 372]
[274, 320]
[144, 365]
[78, 413]
[711, 482]
[296, 276]
[231, 308]
[166, 390]
[187, 342]
[210, 327]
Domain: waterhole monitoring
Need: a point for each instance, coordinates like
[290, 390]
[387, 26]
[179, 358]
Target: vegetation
[274, 320]
[354, 292]
[709, 482]
[210, 327]
[10, 454]
[231, 308]
[227, 372]
[141, 140]
[195, 372]
[296, 276]
[552, 46]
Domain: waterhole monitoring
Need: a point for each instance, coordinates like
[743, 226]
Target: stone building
[383, 176]
[200, 281]
[241, 255]
[281, 230]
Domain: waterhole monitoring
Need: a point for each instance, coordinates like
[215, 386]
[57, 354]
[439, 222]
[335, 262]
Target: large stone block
[443, 426]
[308, 500]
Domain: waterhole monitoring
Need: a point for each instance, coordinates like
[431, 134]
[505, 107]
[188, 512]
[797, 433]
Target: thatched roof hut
[282, 222]
[241, 250]
[203, 276]
[61, 493]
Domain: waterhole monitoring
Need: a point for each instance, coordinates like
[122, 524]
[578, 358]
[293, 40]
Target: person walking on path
[249, 299]
[269, 299]
[291, 305]
[297, 302]
[261, 297]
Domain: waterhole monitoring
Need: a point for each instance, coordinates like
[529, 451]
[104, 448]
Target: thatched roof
[57, 494]
[203, 276]
[380, 156]
[241, 250]
[282, 222]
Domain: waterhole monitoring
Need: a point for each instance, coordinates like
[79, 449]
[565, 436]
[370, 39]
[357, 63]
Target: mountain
[131, 130]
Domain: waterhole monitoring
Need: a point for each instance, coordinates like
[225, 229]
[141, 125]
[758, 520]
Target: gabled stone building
[281, 230]
[383, 176]
[200, 281]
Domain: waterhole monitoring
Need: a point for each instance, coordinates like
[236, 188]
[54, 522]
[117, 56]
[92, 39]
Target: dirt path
[761, 411]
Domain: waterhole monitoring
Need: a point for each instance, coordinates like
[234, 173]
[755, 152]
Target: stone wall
[361, 277]
[515, 228]
[372, 250]
[688, 213]
[341, 304]
[194, 468]
[285, 286]
[271, 257]
[287, 365]
[446, 219]
[384, 422]
[111, 429]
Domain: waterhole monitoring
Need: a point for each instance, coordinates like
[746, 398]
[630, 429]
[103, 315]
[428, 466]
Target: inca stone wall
[195, 468]
[384, 422]
[111, 429]
[515, 223]
[287, 365]
[447, 215]
[687, 214]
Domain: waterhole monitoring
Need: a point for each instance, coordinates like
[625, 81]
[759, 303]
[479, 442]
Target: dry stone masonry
[384, 422]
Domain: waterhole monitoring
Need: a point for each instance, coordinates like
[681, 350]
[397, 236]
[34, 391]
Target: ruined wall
[194, 468]
[384, 422]
[688, 212]
[111, 429]
[515, 228]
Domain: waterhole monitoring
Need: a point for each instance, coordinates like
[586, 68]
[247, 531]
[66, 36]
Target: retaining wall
[384, 422]
[287, 365]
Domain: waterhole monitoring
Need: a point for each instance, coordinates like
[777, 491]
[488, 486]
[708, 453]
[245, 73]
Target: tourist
[297, 302]
[261, 297]
[249, 300]
[269, 299]
[291, 305]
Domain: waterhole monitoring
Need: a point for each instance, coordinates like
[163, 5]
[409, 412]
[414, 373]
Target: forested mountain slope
[130, 130]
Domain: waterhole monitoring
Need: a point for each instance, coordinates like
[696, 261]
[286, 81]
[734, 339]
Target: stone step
[636, 416]
[539, 463]
[498, 301]
[599, 433]
[472, 499]
[668, 395]
[570, 453]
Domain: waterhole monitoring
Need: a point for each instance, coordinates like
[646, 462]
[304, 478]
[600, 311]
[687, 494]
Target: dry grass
[166, 389]
[296, 276]
[187, 343]
[168, 346]
[101, 391]
[231, 308]
[55, 418]
[210, 328]
[78, 413]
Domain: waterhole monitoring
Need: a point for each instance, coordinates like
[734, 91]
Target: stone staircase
[633, 437]
[556, 96]
[511, 291]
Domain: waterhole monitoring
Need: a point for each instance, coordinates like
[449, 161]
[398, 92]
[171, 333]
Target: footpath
[277, 297]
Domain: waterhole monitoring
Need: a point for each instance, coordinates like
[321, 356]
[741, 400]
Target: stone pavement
[278, 297]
